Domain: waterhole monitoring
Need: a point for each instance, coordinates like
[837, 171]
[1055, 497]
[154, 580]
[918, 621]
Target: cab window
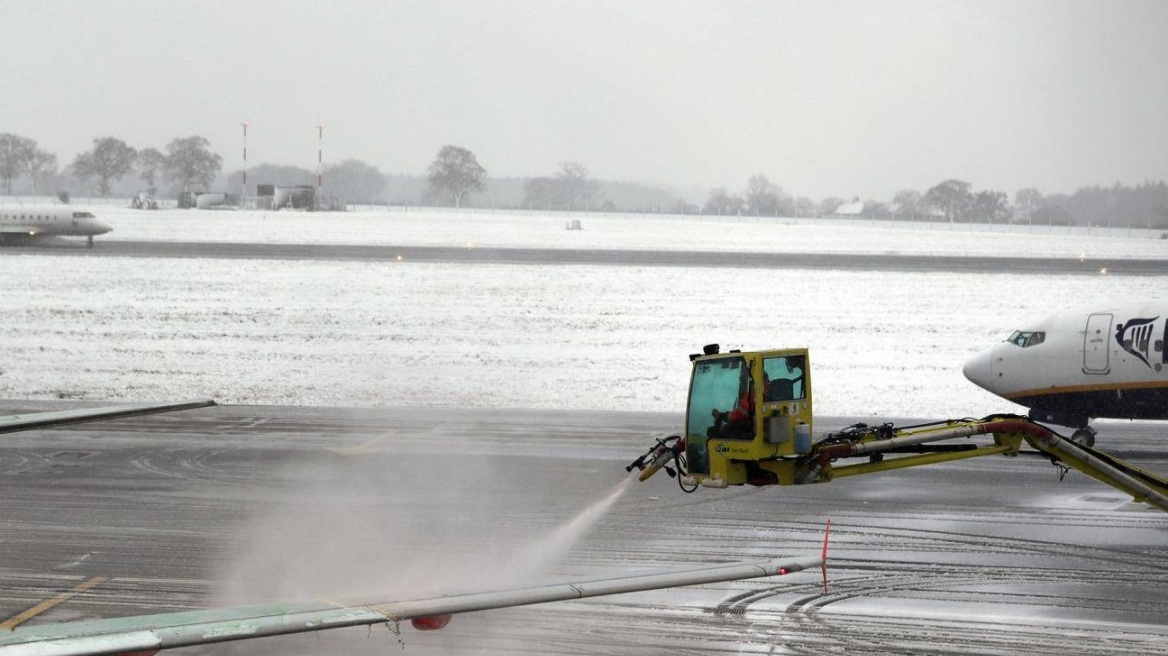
[783, 378]
[717, 388]
[1025, 338]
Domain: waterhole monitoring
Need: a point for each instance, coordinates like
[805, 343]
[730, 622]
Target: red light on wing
[431, 623]
[782, 571]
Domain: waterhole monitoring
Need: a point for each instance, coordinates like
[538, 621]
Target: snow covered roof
[854, 208]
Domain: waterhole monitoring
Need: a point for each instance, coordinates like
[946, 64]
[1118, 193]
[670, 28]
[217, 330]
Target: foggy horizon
[838, 99]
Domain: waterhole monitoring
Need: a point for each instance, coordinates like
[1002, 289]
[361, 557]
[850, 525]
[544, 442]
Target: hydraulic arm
[749, 423]
[886, 447]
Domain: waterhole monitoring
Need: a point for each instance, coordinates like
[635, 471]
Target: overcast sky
[824, 98]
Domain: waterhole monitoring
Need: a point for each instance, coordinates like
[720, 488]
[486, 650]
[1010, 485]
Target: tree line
[186, 161]
[1144, 205]
[955, 201]
[189, 164]
[455, 177]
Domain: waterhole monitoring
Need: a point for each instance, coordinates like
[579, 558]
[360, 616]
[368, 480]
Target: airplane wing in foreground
[146, 635]
[13, 423]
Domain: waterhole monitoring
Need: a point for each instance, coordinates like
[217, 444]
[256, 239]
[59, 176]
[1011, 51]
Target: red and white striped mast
[319, 161]
[243, 186]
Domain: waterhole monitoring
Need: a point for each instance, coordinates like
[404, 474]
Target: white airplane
[148, 634]
[22, 223]
[1107, 361]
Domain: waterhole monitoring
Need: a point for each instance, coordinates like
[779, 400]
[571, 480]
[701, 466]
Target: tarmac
[240, 504]
[604, 257]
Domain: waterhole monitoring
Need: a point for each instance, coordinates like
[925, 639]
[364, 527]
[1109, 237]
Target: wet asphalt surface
[238, 504]
[242, 503]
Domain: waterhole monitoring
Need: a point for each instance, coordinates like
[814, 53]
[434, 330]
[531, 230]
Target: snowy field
[526, 230]
[578, 337]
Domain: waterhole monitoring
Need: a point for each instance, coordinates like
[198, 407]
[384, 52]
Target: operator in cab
[737, 423]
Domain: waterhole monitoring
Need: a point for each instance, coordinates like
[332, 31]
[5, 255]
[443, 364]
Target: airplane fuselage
[1091, 361]
[23, 223]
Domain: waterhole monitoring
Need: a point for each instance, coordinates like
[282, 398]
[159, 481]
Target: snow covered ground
[530, 230]
[579, 337]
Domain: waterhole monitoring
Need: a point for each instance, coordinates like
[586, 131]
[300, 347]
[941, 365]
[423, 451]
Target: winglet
[823, 556]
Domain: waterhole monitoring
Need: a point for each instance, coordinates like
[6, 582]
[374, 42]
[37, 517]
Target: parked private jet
[1093, 361]
[146, 635]
[20, 224]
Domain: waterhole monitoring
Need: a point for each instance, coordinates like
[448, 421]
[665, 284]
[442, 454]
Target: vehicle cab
[747, 413]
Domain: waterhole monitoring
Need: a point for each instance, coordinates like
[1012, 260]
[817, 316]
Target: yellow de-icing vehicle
[749, 422]
[749, 416]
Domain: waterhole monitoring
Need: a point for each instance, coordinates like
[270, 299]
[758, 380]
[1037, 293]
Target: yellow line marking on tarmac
[18, 619]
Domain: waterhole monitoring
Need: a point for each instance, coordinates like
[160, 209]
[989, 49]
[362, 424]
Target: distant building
[854, 208]
[209, 200]
[206, 200]
[295, 197]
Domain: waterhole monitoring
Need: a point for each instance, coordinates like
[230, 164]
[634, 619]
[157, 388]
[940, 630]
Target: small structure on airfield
[302, 198]
[210, 200]
[854, 208]
[143, 201]
[296, 197]
[207, 200]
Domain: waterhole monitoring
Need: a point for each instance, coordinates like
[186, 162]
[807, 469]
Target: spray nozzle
[659, 456]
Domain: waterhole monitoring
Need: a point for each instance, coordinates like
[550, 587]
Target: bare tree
[722, 203]
[14, 154]
[1026, 202]
[356, 181]
[111, 159]
[151, 163]
[763, 197]
[454, 174]
[682, 206]
[569, 189]
[39, 163]
[829, 205]
[908, 203]
[540, 192]
[874, 209]
[576, 189]
[804, 207]
[189, 162]
[991, 206]
[952, 197]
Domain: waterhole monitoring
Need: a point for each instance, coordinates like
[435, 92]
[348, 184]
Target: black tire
[1084, 436]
